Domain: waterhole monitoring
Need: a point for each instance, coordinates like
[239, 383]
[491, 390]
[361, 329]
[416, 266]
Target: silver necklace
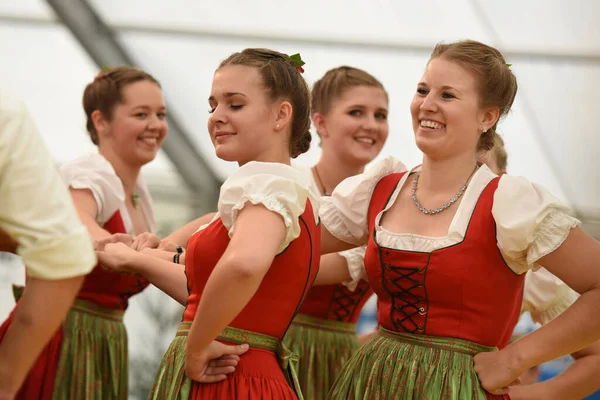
[447, 204]
[319, 181]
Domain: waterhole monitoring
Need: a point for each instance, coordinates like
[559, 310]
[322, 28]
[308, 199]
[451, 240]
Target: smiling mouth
[149, 140]
[223, 134]
[365, 140]
[427, 123]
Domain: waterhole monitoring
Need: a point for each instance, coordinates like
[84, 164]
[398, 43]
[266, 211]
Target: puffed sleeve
[278, 187]
[530, 222]
[95, 173]
[344, 213]
[545, 296]
[356, 266]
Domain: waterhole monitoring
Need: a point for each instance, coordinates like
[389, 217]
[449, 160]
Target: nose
[370, 124]
[217, 116]
[429, 103]
[155, 122]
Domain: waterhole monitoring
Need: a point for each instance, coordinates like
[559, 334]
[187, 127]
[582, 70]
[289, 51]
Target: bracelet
[179, 249]
[176, 258]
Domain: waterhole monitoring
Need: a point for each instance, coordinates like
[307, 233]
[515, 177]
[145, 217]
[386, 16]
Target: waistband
[288, 361]
[84, 306]
[438, 342]
[326, 324]
[238, 336]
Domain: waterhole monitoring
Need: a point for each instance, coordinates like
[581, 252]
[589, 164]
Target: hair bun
[302, 145]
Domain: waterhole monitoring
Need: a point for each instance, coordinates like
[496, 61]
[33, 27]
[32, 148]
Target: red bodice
[336, 302]
[463, 291]
[283, 288]
[110, 289]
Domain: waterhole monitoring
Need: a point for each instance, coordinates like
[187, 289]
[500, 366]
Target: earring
[277, 126]
[483, 130]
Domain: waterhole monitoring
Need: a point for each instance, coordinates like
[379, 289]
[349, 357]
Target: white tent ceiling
[554, 48]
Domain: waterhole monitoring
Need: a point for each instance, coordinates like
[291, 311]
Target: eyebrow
[363, 106]
[445, 87]
[146, 107]
[228, 94]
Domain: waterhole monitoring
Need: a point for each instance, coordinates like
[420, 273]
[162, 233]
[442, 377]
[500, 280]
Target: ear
[283, 115]
[489, 116]
[319, 123]
[100, 123]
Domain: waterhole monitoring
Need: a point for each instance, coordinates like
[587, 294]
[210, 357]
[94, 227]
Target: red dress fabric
[270, 311]
[463, 291]
[102, 287]
[336, 302]
[109, 289]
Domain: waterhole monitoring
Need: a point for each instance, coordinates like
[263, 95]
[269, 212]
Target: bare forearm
[95, 231]
[41, 310]
[579, 380]
[183, 234]
[331, 244]
[161, 254]
[226, 293]
[165, 275]
[333, 270]
[568, 333]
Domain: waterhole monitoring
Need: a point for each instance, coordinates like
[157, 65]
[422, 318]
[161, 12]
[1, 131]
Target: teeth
[365, 140]
[149, 140]
[431, 124]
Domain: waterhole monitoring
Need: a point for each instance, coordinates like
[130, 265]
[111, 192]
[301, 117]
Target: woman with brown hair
[54, 247]
[350, 113]
[448, 246]
[248, 270]
[126, 119]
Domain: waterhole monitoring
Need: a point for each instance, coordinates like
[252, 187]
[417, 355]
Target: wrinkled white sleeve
[94, 172]
[278, 187]
[530, 222]
[356, 266]
[545, 296]
[344, 213]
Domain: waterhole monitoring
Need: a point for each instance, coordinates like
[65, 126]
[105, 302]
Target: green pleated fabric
[93, 359]
[411, 367]
[323, 346]
[172, 383]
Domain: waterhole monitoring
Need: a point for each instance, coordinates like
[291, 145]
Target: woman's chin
[429, 146]
[226, 154]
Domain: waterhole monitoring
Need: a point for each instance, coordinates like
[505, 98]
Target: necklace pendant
[136, 200]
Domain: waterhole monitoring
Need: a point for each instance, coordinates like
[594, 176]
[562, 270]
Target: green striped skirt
[324, 346]
[405, 366]
[93, 358]
[258, 375]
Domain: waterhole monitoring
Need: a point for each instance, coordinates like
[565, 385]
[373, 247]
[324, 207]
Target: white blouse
[279, 187]
[545, 296]
[530, 222]
[94, 172]
[355, 258]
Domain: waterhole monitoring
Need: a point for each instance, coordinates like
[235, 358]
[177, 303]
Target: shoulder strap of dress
[486, 199]
[381, 195]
